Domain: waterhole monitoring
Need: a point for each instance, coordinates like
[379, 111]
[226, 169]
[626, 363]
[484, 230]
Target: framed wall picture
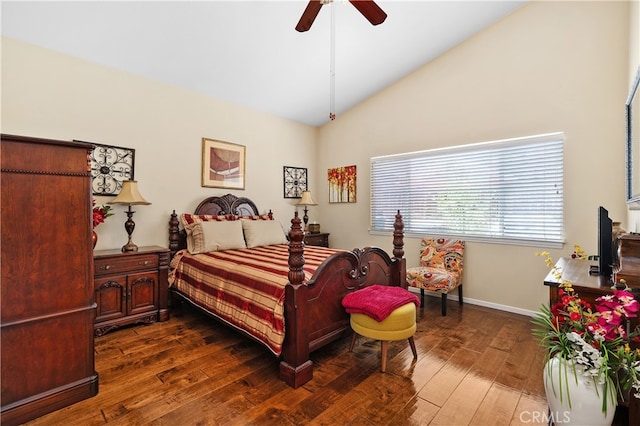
[110, 166]
[342, 184]
[295, 181]
[223, 164]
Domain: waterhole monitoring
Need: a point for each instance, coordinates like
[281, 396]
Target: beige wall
[548, 67]
[51, 95]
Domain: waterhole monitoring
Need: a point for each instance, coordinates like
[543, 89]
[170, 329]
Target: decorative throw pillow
[257, 217]
[263, 232]
[188, 219]
[214, 236]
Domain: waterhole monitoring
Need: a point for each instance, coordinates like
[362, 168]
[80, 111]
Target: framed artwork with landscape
[223, 164]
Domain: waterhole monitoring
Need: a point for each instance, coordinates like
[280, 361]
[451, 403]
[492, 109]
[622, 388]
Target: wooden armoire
[47, 299]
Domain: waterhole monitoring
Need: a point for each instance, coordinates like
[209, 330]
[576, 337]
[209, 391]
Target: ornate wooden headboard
[227, 204]
[215, 206]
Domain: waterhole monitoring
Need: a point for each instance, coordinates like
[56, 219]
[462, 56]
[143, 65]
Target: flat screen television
[605, 243]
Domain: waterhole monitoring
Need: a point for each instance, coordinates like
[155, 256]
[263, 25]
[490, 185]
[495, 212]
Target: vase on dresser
[576, 399]
[94, 239]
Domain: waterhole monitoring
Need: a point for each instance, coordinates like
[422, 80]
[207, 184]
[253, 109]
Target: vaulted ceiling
[248, 52]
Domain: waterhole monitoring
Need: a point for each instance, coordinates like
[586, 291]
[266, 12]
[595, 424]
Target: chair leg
[413, 347]
[443, 303]
[353, 341]
[422, 297]
[460, 294]
[384, 346]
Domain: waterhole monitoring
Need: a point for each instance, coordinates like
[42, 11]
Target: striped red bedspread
[244, 287]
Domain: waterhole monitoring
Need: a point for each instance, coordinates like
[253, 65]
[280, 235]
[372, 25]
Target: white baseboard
[497, 306]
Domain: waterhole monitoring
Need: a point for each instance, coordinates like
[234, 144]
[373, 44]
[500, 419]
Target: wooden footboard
[314, 315]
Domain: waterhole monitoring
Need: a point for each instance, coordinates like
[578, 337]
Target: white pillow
[263, 232]
[214, 236]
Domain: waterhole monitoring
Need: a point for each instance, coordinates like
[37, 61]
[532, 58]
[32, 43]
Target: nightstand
[319, 239]
[130, 287]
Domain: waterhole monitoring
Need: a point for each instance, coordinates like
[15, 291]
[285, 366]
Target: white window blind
[508, 191]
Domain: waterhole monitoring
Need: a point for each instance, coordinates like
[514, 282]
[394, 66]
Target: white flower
[587, 359]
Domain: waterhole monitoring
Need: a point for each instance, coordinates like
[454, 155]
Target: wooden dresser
[317, 239]
[629, 260]
[47, 306]
[130, 287]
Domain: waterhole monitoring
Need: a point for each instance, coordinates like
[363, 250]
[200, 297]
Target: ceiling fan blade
[370, 10]
[309, 15]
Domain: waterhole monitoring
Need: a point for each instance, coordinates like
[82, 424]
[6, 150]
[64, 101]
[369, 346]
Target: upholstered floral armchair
[440, 270]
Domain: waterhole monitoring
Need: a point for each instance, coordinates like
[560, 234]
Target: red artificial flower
[628, 302]
[100, 213]
[571, 323]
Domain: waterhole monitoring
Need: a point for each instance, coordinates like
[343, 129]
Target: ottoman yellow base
[399, 325]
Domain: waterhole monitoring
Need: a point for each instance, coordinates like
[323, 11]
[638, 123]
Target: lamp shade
[129, 194]
[306, 199]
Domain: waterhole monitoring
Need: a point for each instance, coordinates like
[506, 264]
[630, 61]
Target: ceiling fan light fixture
[368, 8]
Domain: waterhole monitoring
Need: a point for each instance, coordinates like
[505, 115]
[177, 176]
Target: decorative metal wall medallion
[110, 166]
[295, 181]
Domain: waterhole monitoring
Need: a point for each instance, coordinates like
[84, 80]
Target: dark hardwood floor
[476, 366]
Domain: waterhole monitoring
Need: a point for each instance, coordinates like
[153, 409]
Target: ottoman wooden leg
[413, 347]
[384, 345]
[353, 341]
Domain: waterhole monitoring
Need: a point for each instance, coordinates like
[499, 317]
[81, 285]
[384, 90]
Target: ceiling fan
[368, 8]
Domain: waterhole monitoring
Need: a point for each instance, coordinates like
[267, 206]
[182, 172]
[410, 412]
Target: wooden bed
[313, 312]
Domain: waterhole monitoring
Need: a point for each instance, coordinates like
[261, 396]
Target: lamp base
[129, 226]
[305, 218]
[129, 247]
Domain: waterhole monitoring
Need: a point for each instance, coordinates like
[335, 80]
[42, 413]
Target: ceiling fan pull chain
[332, 67]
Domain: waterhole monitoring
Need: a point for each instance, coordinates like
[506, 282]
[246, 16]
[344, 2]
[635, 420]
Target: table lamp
[129, 195]
[306, 201]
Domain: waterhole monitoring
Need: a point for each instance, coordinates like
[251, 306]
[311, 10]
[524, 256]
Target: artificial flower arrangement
[100, 213]
[594, 341]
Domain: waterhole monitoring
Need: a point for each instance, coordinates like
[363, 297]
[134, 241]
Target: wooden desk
[589, 288]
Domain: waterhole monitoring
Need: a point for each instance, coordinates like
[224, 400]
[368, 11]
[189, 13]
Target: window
[508, 191]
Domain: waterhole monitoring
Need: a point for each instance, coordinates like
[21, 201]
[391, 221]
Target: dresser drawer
[318, 239]
[114, 265]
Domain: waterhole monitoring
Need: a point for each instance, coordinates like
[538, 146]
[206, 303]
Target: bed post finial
[174, 233]
[296, 251]
[398, 237]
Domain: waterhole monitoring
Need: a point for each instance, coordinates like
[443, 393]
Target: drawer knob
[144, 262]
[106, 267]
